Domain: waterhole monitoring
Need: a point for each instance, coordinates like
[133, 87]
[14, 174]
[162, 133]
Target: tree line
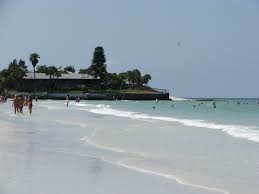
[12, 76]
[98, 69]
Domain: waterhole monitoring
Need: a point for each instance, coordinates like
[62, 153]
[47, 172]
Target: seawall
[100, 96]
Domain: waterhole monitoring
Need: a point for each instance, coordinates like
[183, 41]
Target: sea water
[187, 142]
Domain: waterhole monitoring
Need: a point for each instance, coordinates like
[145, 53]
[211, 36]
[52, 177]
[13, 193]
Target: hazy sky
[218, 54]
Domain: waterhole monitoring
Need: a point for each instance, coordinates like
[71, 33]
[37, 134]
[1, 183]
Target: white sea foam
[90, 142]
[171, 177]
[102, 106]
[179, 99]
[83, 104]
[142, 170]
[238, 131]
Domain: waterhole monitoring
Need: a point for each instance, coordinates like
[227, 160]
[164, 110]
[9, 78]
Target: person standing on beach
[30, 104]
[67, 100]
[20, 104]
[25, 101]
[78, 99]
[16, 104]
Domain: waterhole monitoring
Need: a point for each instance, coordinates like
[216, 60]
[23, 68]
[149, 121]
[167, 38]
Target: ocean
[182, 146]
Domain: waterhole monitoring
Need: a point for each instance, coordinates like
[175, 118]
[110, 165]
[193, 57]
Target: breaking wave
[239, 131]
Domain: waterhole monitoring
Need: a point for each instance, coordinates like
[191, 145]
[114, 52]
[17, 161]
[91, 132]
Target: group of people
[67, 100]
[20, 101]
[3, 98]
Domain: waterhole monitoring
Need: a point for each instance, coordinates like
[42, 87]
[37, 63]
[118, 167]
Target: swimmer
[78, 99]
[154, 107]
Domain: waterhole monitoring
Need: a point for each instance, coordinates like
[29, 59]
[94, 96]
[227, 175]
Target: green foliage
[70, 68]
[42, 69]
[13, 75]
[146, 78]
[34, 59]
[22, 65]
[98, 67]
[98, 56]
[113, 81]
[83, 71]
[132, 79]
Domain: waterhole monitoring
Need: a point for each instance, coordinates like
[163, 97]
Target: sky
[201, 48]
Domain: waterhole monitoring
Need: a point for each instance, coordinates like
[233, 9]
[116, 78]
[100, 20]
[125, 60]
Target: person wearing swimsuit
[30, 104]
[16, 104]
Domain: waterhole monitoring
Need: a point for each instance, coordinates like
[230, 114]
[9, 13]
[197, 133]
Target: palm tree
[34, 59]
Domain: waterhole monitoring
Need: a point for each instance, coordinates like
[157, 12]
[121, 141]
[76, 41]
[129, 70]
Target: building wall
[45, 85]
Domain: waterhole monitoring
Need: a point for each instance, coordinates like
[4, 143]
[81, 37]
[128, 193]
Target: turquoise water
[201, 149]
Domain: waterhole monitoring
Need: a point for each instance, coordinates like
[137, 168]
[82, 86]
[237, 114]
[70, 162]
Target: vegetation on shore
[12, 76]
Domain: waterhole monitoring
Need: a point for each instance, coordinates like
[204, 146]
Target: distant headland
[93, 82]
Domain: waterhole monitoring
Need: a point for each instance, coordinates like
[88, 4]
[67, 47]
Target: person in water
[15, 104]
[20, 104]
[67, 100]
[25, 101]
[29, 101]
[78, 99]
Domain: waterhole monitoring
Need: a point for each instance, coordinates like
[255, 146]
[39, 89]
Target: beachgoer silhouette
[67, 100]
[15, 104]
[30, 104]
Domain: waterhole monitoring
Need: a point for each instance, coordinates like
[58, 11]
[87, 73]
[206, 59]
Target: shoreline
[98, 96]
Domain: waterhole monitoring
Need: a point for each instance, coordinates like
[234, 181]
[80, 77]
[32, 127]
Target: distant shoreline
[97, 96]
